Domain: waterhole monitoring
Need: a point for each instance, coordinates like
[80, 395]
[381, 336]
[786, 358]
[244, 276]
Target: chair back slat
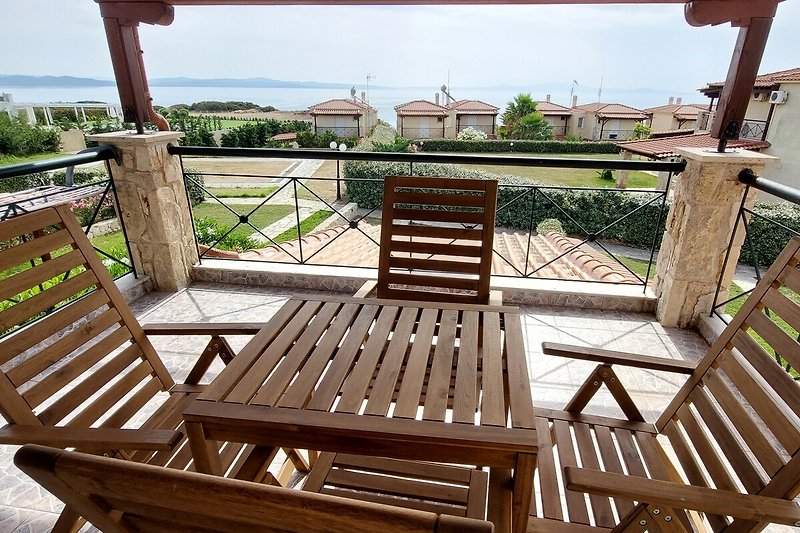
[84, 361]
[436, 239]
[118, 496]
[738, 415]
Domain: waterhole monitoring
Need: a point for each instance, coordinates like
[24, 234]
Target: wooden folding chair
[76, 369]
[120, 496]
[436, 240]
[723, 456]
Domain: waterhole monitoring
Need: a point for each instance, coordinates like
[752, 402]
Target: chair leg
[68, 521]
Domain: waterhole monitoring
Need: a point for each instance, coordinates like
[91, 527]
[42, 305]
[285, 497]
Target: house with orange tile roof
[675, 115]
[422, 119]
[556, 115]
[346, 117]
[600, 121]
[773, 116]
[472, 114]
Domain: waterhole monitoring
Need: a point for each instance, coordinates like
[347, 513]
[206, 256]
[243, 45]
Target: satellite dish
[444, 88]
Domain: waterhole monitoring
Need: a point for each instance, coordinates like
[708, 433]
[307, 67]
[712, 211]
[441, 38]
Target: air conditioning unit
[760, 97]
[778, 97]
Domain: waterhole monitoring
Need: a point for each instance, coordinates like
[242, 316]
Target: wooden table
[409, 380]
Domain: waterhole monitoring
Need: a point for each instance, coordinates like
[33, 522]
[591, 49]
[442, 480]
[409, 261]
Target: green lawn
[6, 160]
[242, 192]
[262, 218]
[637, 265]
[227, 123]
[306, 226]
[567, 177]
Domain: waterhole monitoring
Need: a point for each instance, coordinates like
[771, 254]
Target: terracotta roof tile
[551, 109]
[763, 81]
[354, 248]
[340, 106]
[421, 108]
[473, 107]
[663, 147]
[619, 111]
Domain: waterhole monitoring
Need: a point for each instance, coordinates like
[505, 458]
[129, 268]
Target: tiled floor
[24, 507]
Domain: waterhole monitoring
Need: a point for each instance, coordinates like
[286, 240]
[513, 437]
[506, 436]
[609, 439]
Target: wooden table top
[416, 363]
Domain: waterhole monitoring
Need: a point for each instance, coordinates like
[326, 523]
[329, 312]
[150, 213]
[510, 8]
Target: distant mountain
[248, 82]
[13, 80]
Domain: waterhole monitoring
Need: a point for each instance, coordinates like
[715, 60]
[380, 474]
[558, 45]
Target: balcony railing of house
[340, 231]
[87, 188]
[616, 135]
[754, 129]
[422, 133]
[757, 254]
[340, 131]
[488, 129]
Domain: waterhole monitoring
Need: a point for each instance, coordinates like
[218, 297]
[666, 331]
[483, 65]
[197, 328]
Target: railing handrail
[90, 155]
[428, 157]
[790, 194]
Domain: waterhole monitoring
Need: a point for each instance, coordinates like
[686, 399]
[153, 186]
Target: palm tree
[522, 105]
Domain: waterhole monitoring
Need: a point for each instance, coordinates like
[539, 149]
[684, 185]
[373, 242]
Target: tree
[522, 121]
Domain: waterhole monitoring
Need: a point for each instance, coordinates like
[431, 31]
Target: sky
[627, 46]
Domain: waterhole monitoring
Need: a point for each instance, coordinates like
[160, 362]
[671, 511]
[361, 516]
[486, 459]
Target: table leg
[205, 452]
[499, 512]
[523, 491]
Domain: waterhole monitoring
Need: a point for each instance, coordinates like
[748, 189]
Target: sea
[383, 99]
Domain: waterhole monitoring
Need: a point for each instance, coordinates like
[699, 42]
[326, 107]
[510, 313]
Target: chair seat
[607, 447]
[443, 489]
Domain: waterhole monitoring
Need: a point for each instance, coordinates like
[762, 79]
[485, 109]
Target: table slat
[438, 390]
[465, 397]
[521, 403]
[408, 399]
[493, 411]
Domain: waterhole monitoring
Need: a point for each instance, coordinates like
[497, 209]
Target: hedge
[531, 147]
[592, 210]
[768, 240]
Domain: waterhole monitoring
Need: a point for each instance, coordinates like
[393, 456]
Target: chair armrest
[618, 358]
[202, 328]
[91, 439]
[680, 496]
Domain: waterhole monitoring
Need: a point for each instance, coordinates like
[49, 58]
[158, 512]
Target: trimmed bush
[529, 147]
[588, 211]
[768, 240]
[19, 138]
[194, 186]
[21, 183]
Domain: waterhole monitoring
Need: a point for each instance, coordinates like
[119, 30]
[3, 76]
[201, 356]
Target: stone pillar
[701, 218]
[153, 202]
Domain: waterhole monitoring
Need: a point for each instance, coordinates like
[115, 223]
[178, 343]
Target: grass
[638, 266]
[6, 160]
[228, 124]
[568, 177]
[305, 226]
[262, 218]
[242, 192]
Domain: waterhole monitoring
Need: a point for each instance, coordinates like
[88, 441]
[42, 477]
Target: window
[580, 122]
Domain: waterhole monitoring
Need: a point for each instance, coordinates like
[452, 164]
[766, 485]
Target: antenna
[369, 77]
[572, 91]
[600, 91]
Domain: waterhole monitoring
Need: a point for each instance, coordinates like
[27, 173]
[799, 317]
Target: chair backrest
[436, 239]
[735, 424]
[86, 363]
[123, 496]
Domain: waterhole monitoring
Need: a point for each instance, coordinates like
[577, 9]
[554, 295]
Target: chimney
[363, 96]
[679, 100]
[437, 98]
[671, 100]
[575, 101]
[548, 98]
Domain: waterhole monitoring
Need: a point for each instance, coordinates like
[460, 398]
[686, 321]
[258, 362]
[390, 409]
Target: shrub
[81, 176]
[259, 134]
[767, 239]
[525, 146]
[19, 138]
[399, 145]
[605, 174]
[549, 225]
[471, 134]
[209, 231]
[29, 181]
[84, 208]
[589, 211]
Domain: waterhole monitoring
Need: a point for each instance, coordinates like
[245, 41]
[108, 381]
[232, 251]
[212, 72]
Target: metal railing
[89, 201]
[780, 234]
[340, 131]
[754, 129]
[250, 229]
[488, 129]
[434, 132]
